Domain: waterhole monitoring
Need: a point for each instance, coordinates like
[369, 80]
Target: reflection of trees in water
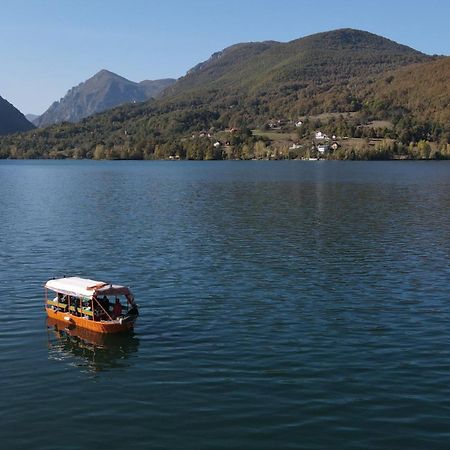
[84, 348]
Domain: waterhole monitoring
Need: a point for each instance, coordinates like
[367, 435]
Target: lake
[285, 304]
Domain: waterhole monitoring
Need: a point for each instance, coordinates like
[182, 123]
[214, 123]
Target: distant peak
[106, 73]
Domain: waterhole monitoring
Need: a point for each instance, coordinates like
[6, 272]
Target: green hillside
[324, 72]
[419, 91]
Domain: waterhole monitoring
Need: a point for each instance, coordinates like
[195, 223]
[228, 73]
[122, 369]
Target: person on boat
[104, 301]
[73, 302]
[102, 308]
[56, 301]
[117, 310]
[133, 310]
[62, 302]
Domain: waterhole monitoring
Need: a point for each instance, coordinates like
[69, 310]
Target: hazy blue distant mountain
[31, 117]
[154, 88]
[11, 119]
[103, 91]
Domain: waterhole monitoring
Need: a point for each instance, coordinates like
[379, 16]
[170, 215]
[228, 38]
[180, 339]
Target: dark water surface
[284, 305]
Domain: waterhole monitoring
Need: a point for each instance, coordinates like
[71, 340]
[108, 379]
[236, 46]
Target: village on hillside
[306, 139]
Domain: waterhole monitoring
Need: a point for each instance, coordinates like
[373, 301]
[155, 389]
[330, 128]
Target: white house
[320, 136]
[299, 124]
[322, 148]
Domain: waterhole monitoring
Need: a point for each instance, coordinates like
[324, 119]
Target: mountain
[31, 117]
[153, 88]
[103, 91]
[11, 119]
[319, 73]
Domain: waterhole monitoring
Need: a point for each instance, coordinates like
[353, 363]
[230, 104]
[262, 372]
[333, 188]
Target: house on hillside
[274, 125]
[334, 146]
[319, 136]
[323, 148]
[298, 124]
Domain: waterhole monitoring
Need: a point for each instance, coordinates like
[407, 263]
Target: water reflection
[93, 351]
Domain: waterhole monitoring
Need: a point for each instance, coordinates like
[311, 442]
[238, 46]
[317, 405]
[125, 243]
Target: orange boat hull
[99, 327]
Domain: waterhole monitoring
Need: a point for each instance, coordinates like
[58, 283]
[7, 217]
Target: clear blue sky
[48, 46]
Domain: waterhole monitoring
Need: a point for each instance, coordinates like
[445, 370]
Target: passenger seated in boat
[76, 304]
[117, 310]
[105, 303]
[62, 302]
[56, 301]
[133, 311]
[101, 308]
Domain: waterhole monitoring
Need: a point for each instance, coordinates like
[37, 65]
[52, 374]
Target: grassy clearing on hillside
[327, 116]
[276, 136]
[380, 124]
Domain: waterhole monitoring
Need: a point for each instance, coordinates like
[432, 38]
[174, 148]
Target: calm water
[284, 305]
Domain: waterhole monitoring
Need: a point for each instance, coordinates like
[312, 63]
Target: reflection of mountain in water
[84, 348]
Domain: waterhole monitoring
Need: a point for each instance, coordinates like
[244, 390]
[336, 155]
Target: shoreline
[227, 160]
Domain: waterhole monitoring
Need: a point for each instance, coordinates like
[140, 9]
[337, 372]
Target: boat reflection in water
[88, 349]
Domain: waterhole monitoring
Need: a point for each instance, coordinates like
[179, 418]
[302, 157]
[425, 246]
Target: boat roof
[82, 286]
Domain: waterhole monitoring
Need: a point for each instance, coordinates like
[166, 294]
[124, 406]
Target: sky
[48, 46]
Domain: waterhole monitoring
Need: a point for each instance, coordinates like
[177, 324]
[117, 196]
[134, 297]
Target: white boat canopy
[77, 287]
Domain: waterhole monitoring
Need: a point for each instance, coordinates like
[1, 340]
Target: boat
[85, 303]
